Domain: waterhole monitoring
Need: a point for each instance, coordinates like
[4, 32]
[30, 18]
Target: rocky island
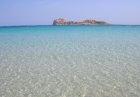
[62, 21]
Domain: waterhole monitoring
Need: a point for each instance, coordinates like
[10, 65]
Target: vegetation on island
[62, 21]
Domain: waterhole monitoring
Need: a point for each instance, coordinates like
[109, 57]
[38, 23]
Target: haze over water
[70, 61]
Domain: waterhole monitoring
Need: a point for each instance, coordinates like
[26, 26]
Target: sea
[70, 61]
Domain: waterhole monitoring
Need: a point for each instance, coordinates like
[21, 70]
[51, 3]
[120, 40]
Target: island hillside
[62, 21]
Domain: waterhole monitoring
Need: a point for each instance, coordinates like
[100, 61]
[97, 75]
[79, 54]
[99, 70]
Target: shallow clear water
[70, 61]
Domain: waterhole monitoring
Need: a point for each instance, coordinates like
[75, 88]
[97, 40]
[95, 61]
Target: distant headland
[62, 21]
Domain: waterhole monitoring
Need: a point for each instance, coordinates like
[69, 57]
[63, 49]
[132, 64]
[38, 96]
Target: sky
[43, 12]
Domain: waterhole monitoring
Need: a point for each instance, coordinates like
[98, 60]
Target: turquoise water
[70, 61]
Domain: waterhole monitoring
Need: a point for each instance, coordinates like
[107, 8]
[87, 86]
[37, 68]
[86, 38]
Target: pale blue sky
[42, 12]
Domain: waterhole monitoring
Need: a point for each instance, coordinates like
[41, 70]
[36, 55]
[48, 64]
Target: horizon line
[71, 25]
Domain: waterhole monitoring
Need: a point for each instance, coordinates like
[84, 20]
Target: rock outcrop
[85, 22]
